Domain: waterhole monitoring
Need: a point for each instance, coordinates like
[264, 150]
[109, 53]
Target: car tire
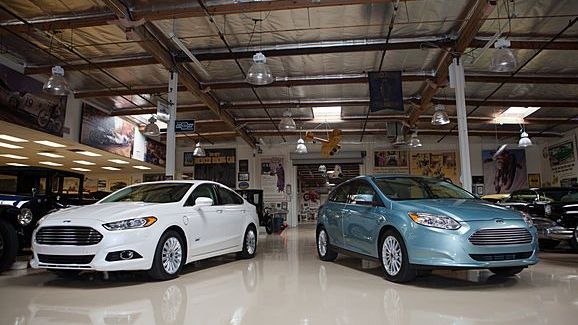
[394, 259]
[548, 243]
[169, 258]
[507, 271]
[249, 243]
[324, 247]
[8, 245]
[66, 274]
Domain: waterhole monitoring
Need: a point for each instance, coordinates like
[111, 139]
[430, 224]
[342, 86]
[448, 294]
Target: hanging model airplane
[330, 146]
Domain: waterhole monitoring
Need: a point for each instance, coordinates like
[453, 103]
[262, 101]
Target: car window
[363, 187]
[420, 188]
[203, 190]
[523, 196]
[340, 194]
[228, 197]
[150, 193]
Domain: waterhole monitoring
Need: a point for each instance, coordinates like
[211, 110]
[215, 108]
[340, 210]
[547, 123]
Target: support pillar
[171, 137]
[458, 82]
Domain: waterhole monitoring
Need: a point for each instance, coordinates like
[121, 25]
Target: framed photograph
[283, 205]
[243, 177]
[243, 166]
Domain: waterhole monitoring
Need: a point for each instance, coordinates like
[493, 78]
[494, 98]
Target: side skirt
[353, 254]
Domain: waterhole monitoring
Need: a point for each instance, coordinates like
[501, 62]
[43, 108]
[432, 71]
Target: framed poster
[273, 178]
[243, 166]
[105, 132]
[243, 177]
[188, 159]
[391, 162]
[441, 164]
[505, 173]
[534, 180]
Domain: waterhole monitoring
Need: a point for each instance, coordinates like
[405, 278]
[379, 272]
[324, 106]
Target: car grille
[500, 257]
[501, 236]
[65, 259]
[74, 236]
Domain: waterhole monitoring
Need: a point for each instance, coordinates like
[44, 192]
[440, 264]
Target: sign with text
[182, 126]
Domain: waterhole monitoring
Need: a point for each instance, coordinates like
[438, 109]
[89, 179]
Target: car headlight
[25, 216]
[435, 221]
[527, 219]
[547, 209]
[130, 223]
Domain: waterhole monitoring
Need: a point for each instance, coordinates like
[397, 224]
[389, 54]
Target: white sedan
[157, 226]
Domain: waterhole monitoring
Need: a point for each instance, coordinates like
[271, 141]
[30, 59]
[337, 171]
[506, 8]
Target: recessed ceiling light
[50, 144]
[84, 162]
[141, 167]
[17, 165]
[49, 163]
[515, 115]
[11, 138]
[6, 155]
[80, 169]
[88, 153]
[50, 154]
[118, 161]
[329, 114]
[9, 146]
[110, 168]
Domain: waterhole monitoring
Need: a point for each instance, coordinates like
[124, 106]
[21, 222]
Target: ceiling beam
[474, 16]
[188, 9]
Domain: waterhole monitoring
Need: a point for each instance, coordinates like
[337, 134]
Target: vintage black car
[26, 195]
[554, 211]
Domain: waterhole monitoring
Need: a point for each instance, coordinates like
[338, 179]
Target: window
[228, 197]
[8, 184]
[523, 196]
[364, 188]
[150, 193]
[340, 194]
[420, 188]
[203, 190]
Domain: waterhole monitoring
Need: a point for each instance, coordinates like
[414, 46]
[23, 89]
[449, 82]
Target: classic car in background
[26, 195]
[495, 198]
[554, 211]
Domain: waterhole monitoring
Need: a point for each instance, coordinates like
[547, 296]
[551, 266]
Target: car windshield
[150, 193]
[561, 195]
[419, 188]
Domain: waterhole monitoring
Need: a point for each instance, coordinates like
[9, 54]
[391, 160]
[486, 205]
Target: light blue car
[413, 223]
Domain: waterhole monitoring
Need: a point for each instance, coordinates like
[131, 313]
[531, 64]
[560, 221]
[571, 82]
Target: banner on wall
[108, 133]
[391, 162]
[219, 165]
[562, 159]
[441, 164]
[506, 173]
[22, 102]
[273, 178]
[156, 152]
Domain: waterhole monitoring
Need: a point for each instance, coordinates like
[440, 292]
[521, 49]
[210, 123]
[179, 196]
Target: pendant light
[440, 116]
[259, 73]
[414, 141]
[199, 151]
[524, 139]
[503, 59]
[287, 122]
[152, 129]
[301, 147]
[56, 85]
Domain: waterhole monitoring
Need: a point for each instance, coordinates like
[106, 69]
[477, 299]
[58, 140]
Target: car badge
[499, 220]
[66, 221]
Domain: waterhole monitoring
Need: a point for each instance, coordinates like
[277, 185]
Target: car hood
[108, 212]
[461, 210]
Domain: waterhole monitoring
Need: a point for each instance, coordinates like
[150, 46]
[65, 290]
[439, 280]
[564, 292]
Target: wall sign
[182, 126]
[219, 165]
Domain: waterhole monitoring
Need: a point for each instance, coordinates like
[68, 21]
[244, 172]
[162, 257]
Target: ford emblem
[499, 220]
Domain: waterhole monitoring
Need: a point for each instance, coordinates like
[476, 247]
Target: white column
[171, 138]
[458, 82]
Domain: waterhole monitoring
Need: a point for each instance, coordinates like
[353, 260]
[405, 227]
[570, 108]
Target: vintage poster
[391, 162]
[219, 165]
[22, 102]
[273, 178]
[506, 172]
[109, 133]
[562, 159]
[534, 180]
[156, 152]
[441, 164]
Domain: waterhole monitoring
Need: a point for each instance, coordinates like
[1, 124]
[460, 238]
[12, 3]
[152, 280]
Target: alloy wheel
[391, 255]
[172, 255]
[250, 241]
[322, 242]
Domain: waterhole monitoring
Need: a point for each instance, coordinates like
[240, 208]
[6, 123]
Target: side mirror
[203, 202]
[363, 199]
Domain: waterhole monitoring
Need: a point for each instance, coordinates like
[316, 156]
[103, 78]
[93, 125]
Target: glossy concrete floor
[287, 284]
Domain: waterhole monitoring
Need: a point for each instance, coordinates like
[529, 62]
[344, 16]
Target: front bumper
[556, 233]
[438, 248]
[141, 241]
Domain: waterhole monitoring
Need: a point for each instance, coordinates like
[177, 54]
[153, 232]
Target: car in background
[26, 195]
[495, 198]
[156, 226]
[554, 211]
[413, 223]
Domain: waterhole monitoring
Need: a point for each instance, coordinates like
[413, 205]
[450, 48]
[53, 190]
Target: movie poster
[441, 164]
[391, 162]
[156, 152]
[22, 102]
[108, 133]
[273, 178]
[506, 172]
[219, 165]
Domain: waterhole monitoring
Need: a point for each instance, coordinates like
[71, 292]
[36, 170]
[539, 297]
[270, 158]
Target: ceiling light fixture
[301, 147]
[110, 168]
[152, 129]
[440, 116]
[141, 167]
[49, 154]
[259, 73]
[7, 155]
[514, 115]
[287, 122]
[414, 141]
[199, 151]
[84, 162]
[9, 146]
[50, 144]
[49, 163]
[11, 138]
[56, 85]
[16, 164]
[503, 59]
[118, 161]
[524, 139]
[80, 169]
[88, 153]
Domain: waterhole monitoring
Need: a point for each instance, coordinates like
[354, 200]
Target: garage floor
[287, 284]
